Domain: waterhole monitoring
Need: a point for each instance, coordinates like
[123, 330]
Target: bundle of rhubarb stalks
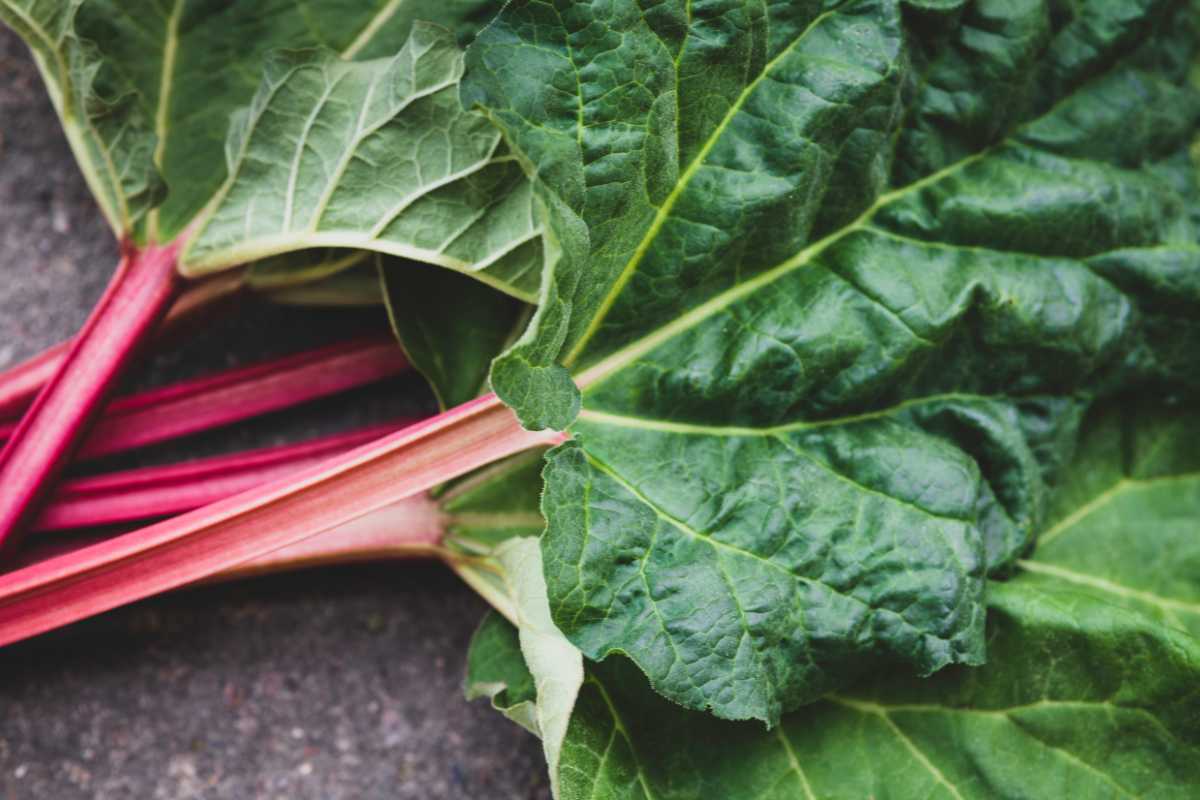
[819, 380]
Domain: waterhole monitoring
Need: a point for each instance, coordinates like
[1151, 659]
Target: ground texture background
[333, 684]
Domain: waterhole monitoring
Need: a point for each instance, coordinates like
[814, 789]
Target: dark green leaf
[836, 280]
[1092, 688]
[496, 670]
[451, 327]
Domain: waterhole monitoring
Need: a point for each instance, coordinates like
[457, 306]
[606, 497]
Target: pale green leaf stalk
[555, 664]
[837, 280]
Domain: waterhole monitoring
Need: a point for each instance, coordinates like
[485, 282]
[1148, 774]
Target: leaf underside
[193, 63]
[275, 127]
[838, 281]
[372, 155]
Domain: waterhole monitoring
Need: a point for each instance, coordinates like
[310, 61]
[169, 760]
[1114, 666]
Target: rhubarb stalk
[19, 385]
[161, 491]
[211, 401]
[221, 536]
[135, 301]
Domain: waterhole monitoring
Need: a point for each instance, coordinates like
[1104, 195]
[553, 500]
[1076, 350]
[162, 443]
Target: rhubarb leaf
[835, 283]
[372, 155]
[271, 139]
[452, 349]
[193, 64]
[554, 663]
[1080, 698]
[1125, 523]
[496, 670]
[1092, 687]
[112, 137]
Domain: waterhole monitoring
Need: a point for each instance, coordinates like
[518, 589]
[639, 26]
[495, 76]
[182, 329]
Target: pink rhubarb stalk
[141, 291]
[412, 528]
[251, 525]
[211, 401]
[19, 385]
[161, 491]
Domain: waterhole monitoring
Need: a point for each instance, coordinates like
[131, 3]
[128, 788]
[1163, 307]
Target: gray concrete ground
[332, 684]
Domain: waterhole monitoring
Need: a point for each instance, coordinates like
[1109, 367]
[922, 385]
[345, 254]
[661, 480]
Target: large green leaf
[1092, 688]
[836, 280]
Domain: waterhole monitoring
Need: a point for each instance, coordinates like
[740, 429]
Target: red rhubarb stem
[136, 299]
[411, 528]
[19, 385]
[211, 401]
[218, 537]
[161, 491]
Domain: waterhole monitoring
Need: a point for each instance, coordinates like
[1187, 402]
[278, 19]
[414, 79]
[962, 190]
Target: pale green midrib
[629, 353]
[1124, 484]
[664, 211]
[162, 111]
[882, 714]
[619, 727]
[666, 426]
[794, 763]
[372, 27]
[1109, 586]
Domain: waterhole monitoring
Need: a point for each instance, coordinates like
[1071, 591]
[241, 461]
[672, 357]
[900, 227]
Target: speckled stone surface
[334, 684]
